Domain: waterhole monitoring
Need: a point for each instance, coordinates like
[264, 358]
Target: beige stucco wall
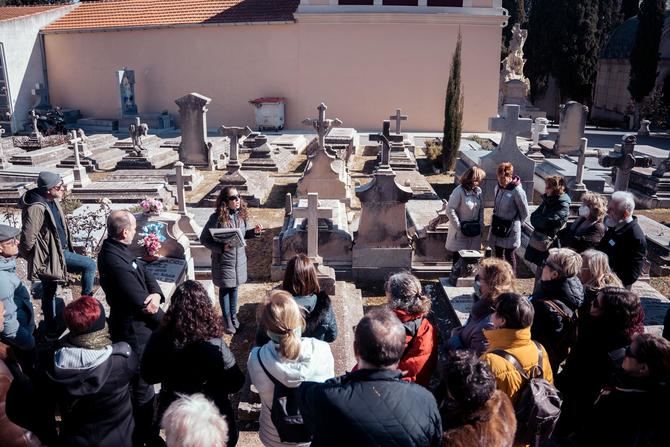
[362, 71]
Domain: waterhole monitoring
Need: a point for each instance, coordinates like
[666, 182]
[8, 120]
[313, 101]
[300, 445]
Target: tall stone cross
[578, 190]
[312, 214]
[234, 133]
[321, 124]
[398, 118]
[386, 139]
[623, 162]
[510, 125]
[181, 193]
[75, 140]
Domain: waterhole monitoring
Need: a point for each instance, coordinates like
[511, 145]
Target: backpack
[568, 336]
[538, 404]
[285, 414]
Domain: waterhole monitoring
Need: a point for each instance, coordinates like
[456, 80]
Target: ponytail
[284, 323]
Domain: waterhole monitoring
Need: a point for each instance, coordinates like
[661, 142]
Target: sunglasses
[237, 197]
[60, 186]
[629, 352]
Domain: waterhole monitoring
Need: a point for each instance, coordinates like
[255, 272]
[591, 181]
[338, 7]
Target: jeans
[228, 301]
[74, 263]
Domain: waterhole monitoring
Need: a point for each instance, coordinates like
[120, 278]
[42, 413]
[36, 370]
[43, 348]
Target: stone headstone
[643, 131]
[571, 127]
[294, 143]
[623, 161]
[511, 125]
[234, 134]
[195, 149]
[126, 83]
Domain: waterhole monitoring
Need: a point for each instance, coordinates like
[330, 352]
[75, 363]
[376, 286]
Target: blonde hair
[601, 273]
[194, 421]
[564, 261]
[472, 175]
[281, 315]
[596, 203]
[498, 275]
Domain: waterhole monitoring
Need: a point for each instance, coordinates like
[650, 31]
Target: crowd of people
[85, 378]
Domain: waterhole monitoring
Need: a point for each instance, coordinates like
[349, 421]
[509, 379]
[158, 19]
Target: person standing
[466, 214]
[229, 261]
[588, 229]
[134, 298]
[510, 209]
[47, 246]
[624, 243]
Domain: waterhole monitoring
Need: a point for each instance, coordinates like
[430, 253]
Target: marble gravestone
[511, 125]
[126, 82]
[382, 244]
[324, 174]
[571, 127]
[195, 148]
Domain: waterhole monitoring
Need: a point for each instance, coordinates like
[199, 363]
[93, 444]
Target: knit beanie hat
[47, 180]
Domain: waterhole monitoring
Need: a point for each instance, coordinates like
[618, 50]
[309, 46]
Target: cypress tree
[629, 8]
[610, 15]
[540, 46]
[644, 56]
[453, 112]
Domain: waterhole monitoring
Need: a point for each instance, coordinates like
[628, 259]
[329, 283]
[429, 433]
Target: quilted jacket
[370, 407]
[420, 354]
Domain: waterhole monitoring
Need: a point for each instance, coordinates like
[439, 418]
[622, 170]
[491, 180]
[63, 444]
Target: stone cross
[34, 117]
[623, 162]
[510, 125]
[181, 194]
[321, 124]
[234, 134]
[312, 214]
[386, 139]
[75, 140]
[579, 188]
[42, 94]
[399, 118]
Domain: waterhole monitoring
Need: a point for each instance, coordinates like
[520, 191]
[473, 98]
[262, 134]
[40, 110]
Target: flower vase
[150, 257]
[152, 213]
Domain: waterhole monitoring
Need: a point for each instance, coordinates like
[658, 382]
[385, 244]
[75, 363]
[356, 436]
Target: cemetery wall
[23, 56]
[359, 68]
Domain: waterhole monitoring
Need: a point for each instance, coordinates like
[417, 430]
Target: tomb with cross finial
[322, 125]
[385, 138]
[622, 161]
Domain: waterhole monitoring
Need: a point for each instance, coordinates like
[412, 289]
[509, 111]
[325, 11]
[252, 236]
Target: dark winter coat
[510, 203]
[127, 283]
[94, 397]
[547, 220]
[206, 367]
[40, 242]
[666, 325]
[229, 266]
[420, 356]
[626, 248]
[471, 336]
[370, 408]
[320, 322]
[492, 425]
[630, 414]
[587, 369]
[550, 326]
[581, 236]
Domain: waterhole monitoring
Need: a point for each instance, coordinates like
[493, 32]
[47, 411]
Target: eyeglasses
[237, 197]
[629, 353]
[59, 186]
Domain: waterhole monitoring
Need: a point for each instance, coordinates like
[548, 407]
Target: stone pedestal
[194, 149]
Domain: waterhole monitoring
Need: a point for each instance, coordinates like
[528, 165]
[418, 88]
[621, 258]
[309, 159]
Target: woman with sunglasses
[614, 318]
[629, 411]
[229, 260]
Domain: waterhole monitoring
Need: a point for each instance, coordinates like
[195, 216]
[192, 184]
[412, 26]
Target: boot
[236, 322]
[228, 326]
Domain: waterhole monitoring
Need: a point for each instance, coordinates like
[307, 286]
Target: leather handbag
[471, 228]
[501, 227]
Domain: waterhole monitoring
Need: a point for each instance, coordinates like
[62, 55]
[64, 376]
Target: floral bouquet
[151, 206]
[152, 238]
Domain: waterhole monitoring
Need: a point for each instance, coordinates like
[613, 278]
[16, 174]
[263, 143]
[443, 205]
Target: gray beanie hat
[7, 232]
[48, 180]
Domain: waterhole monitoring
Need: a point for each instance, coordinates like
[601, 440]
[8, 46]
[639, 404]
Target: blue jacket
[15, 296]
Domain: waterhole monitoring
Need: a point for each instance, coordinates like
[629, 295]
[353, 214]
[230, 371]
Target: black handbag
[471, 228]
[501, 227]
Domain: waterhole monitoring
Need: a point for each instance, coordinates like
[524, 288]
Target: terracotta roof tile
[142, 13]
[14, 12]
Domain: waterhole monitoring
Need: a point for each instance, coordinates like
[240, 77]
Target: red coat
[420, 356]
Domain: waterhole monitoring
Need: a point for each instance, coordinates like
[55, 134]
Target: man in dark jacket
[372, 406]
[624, 242]
[47, 246]
[134, 298]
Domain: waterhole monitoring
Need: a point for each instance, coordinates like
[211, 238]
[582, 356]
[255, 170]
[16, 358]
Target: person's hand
[258, 229]
[152, 303]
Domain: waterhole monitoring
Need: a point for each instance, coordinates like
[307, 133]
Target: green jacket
[40, 244]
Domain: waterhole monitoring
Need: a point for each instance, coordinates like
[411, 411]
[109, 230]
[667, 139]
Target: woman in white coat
[466, 214]
[288, 357]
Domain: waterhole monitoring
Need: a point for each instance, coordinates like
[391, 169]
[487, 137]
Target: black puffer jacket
[547, 220]
[551, 326]
[626, 249]
[370, 408]
[320, 322]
